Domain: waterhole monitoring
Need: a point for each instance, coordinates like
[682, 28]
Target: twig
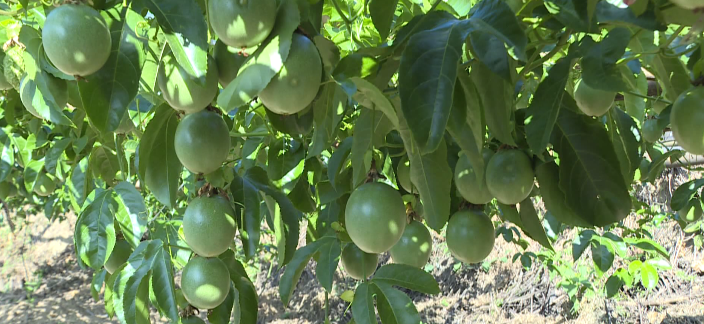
[660, 302]
[7, 217]
[608, 312]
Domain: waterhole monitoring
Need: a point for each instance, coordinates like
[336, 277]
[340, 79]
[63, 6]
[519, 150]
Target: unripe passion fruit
[202, 141]
[593, 102]
[687, 119]
[205, 282]
[209, 225]
[357, 263]
[181, 90]
[44, 186]
[471, 186]
[470, 236]
[403, 172]
[509, 176]
[375, 217]
[228, 62]
[414, 247]
[119, 256]
[76, 39]
[242, 23]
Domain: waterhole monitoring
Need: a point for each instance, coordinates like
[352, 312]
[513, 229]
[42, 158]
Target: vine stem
[673, 37]
[563, 40]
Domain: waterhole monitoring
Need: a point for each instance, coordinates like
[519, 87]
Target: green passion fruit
[119, 256]
[651, 131]
[202, 141]
[592, 102]
[375, 217]
[76, 39]
[209, 225]
[692, 211]
[403, 172]
[414, 247]
[44, 186]
[470, 236]
[242, 23]
[228, 61]
[32, 98]
[296, 85]
[686, 120]
[472, 186]
[509, 176]
[205, 282]
[357, 263]
[181, 90]
[295, 124]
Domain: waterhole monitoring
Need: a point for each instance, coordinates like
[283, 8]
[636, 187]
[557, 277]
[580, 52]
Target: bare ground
[40, 282]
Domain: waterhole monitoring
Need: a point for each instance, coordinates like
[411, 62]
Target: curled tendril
[143, 26]
[49, 3]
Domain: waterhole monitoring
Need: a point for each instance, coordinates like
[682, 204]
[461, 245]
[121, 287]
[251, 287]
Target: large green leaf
[382, 13]
[496, 18]
[394, 306]
[532, 225]
[53, 155]
[266, 61]
[545, 106]
[107, 93]
[602, 254]
[363, 304]
[132, 213]
[573, 14]
[186, 32]
[361, 144]
[248, 301]
[104, 163]
[599, 69]
[496, 97]
[328, 111]
[284, 156]
[162, 280]
[548, 176]
[427, 77]
[371, 97]
[295, 267]
[94, 236]
[80, 183]
[684, 193]
[608, 13]
[247, 199]
[622, 132]
[589, 169]
[327, 262]
[159, 167]
[432, 176]
[407, 277]
[222, 313]
[338, 159]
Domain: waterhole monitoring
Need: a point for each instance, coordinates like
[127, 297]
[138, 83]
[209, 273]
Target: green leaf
[159, 167]
[542, 113]
[622, 133]
[614, 283]
[96, 284]
[81, 183]
[104, 163]
[382, 13]
[361, 144]
[635, 105]
[496, 18]
[295, 267]
[355, 65]
[52, 156]
[648, 245]
[427, 77]
[589, 171]
[329, 52]
[107, 93]
[94, 236]
[394, 306]
[432, 176]
[532, 225]
[371, 97]
[327, 263]
[608, 13]
[32, 171]
[684, 193]
[289, 214]
[266, 61]
[128, 280]
[338, 159]
[496, 97]
[602, 255]
[616, 242]
[548, 176]
[186, 32]
[599, 69]
[248, 200]
[222, 313]
[581, 242]
[49, 88]
[407, 277]
[649, 276]
[284, 156]
[247, 299]
[7, 155]
[163, 281]
[328, 111]
[141, 304]
[573, 14]
[132, 212]
[301, 196]
[363, 304]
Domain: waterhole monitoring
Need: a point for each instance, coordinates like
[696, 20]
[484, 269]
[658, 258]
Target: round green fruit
[296, 124]
[651, 131]
[205, 282]
[472, 186]
[31, 97]
[44, 185]
[242, 23]
[689, 4]
[76, 39]
[202, 141]
[296, 85]
[228, 61]
[509, 176]
[593, 102]
[403, 172]
[119, 256]
[692, 212]
[375, 217]
[686, 120]
[357, 263]
[470, 236]
[414, 247]
[209, 225]
[182, 90]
